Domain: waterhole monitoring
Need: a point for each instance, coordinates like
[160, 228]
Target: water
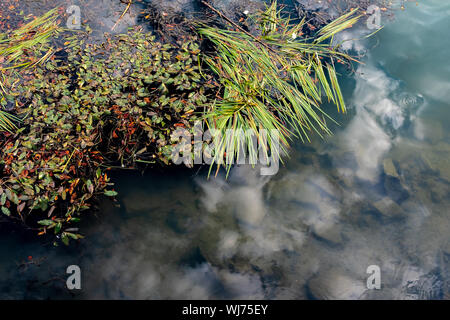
[376, 193]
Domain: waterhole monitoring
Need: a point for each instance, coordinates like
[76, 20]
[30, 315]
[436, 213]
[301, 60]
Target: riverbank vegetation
[23, 49]
[275, 80]
[84, 110]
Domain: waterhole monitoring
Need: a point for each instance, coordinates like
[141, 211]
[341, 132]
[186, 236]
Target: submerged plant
[275, 80]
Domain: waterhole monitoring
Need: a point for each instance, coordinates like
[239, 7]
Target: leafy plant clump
[274, 80]
[109, 104]
[117, 104]
[22, 49]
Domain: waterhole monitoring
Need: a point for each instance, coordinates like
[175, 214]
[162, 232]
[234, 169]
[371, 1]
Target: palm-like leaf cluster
[274, 81]
[8, 121]
[22, 48]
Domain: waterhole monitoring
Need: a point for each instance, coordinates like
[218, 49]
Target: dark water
[376, 193]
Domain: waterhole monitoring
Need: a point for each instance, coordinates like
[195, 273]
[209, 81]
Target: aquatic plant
[8, 121]
[23, 48]
[117, 104]
[108, 105]
[274, 80]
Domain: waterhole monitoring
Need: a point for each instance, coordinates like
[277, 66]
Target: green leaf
[46, 222]
[65, 239]
[90, 186]
[111, 193]
[72, 235]
[58, 227]
[43, 205]
[3, 199]
[6, 211]
[98, 173]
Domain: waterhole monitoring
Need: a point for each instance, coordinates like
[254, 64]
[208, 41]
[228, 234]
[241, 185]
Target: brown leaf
[21, 207]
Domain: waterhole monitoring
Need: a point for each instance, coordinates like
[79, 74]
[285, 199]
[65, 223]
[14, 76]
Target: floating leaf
[46, 222]
[6, 211]
[110, 193]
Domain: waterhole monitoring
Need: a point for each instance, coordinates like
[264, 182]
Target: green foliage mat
[91, 107]
[114, 103]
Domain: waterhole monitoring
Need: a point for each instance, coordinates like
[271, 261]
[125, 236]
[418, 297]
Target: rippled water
[376, 193]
